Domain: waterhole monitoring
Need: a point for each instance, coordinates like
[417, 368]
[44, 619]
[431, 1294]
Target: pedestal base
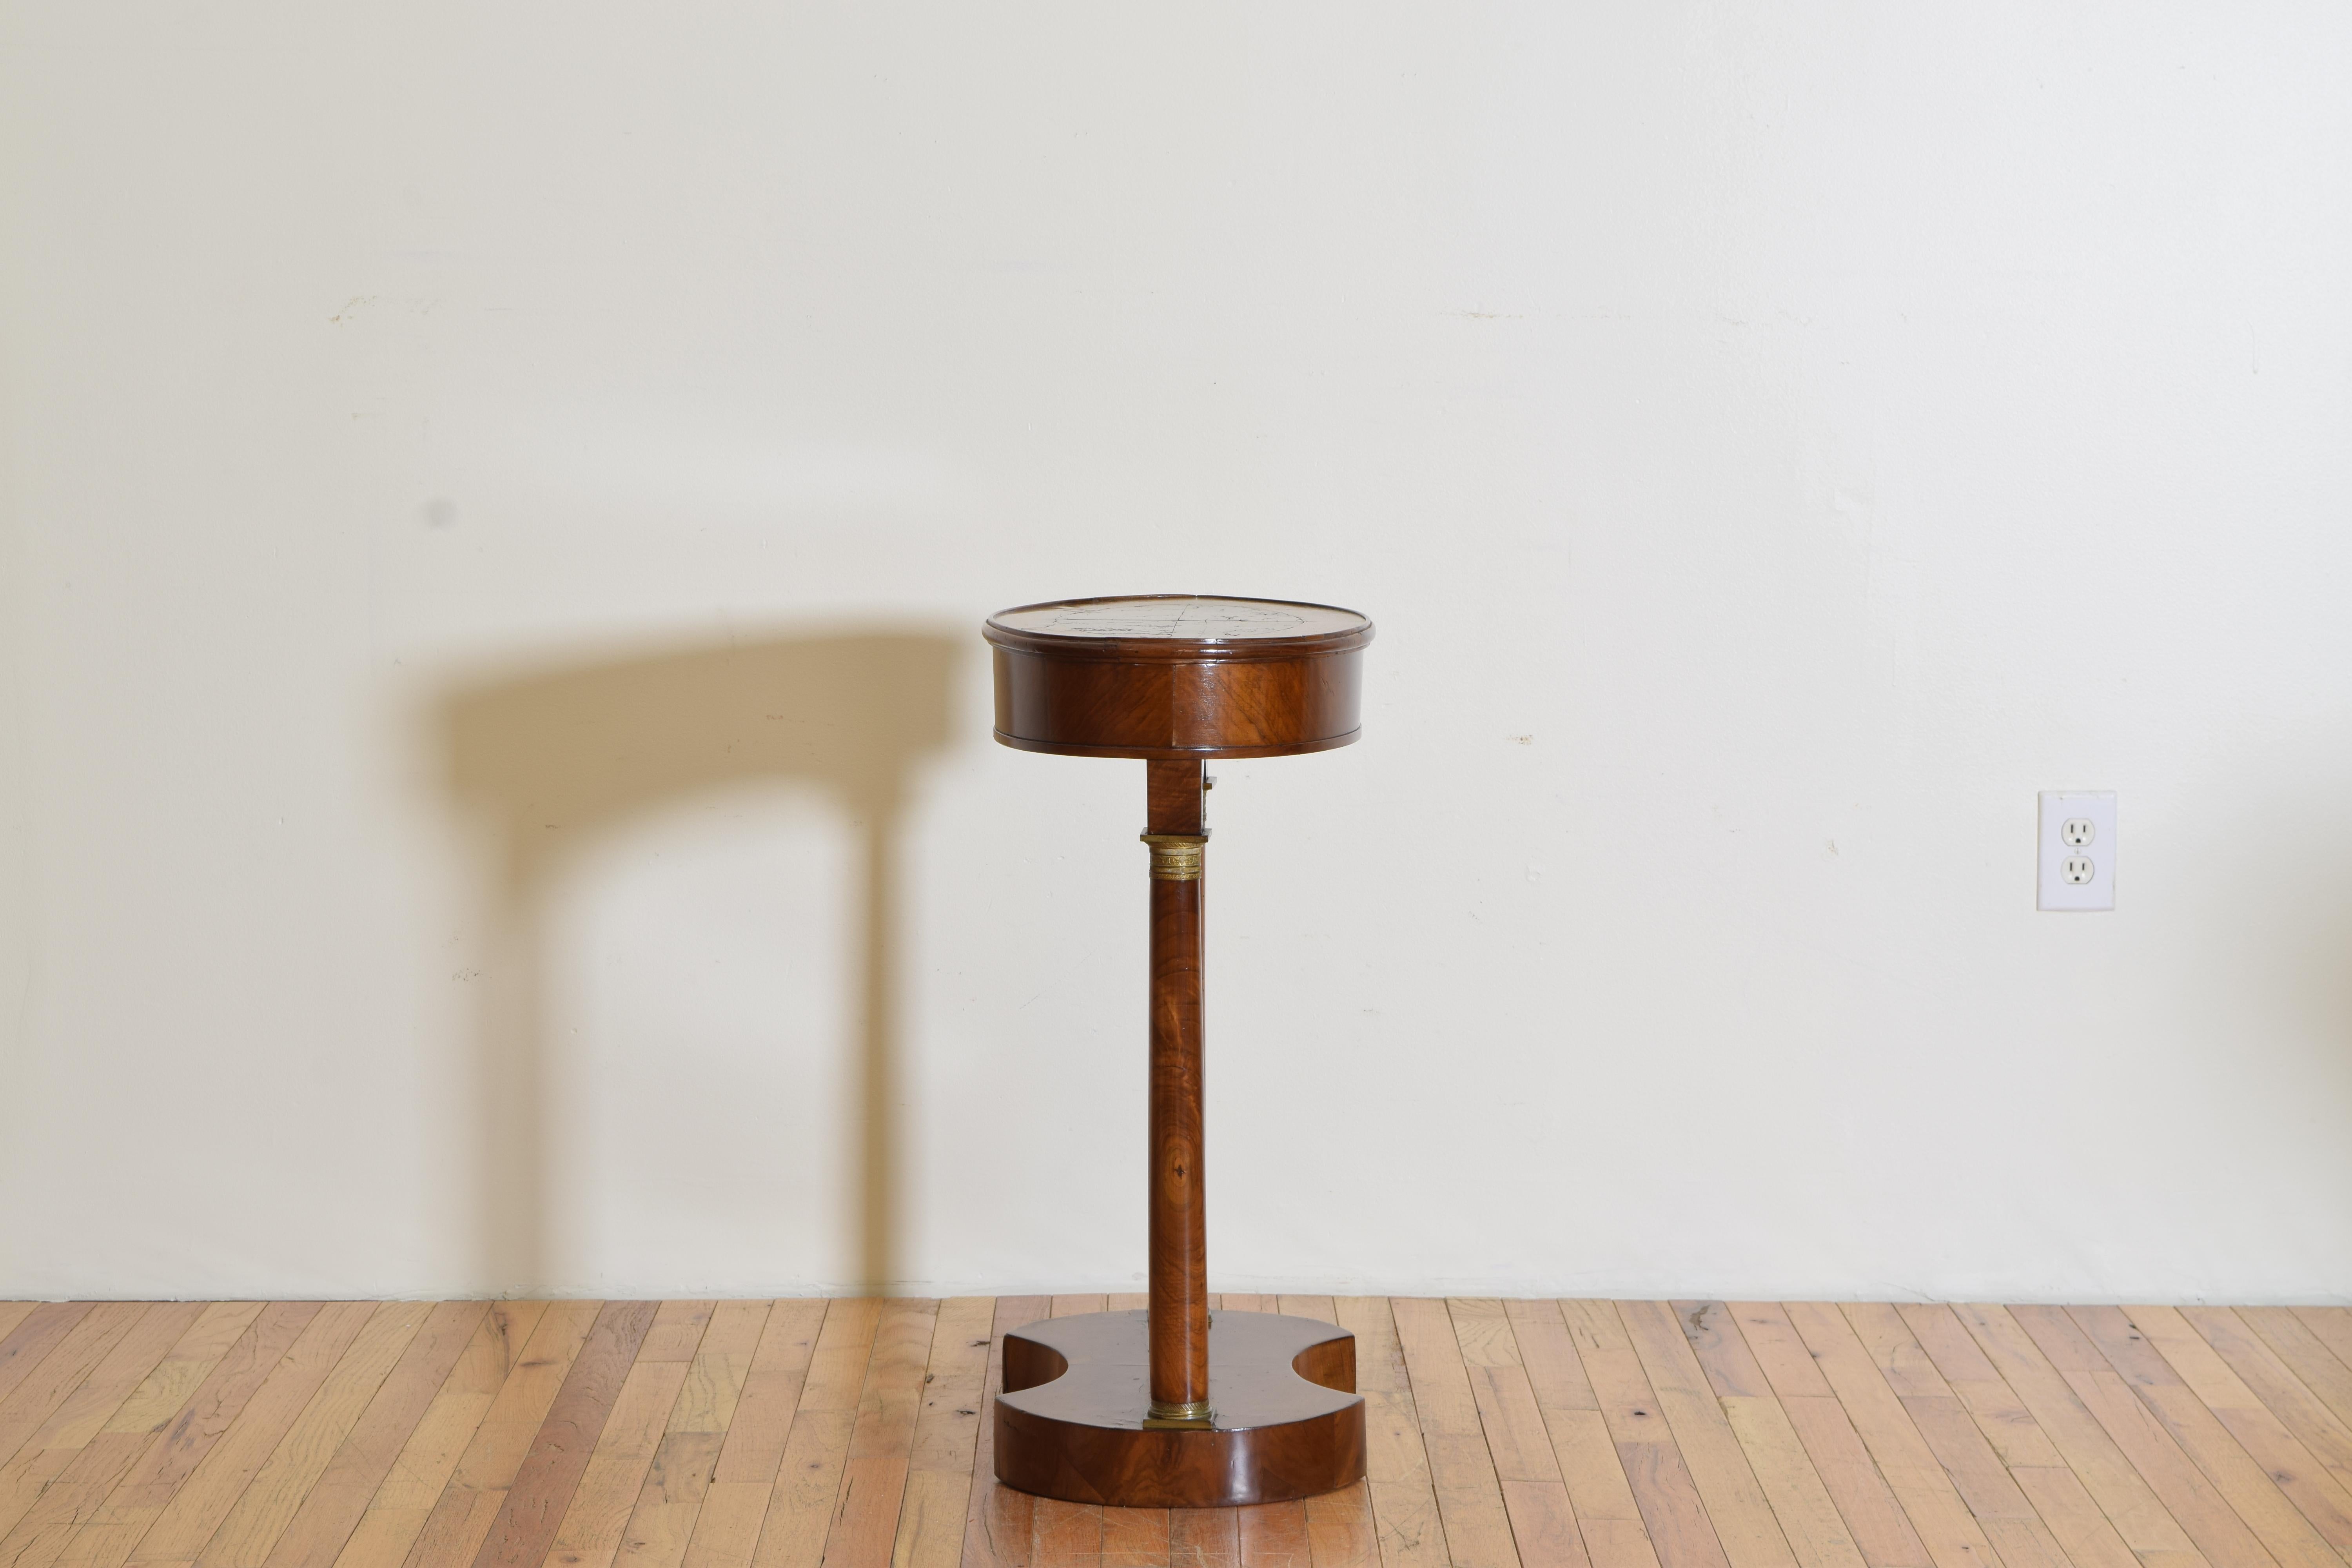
[1285, 1420]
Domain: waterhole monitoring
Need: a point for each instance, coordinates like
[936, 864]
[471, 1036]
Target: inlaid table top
[1181, 617]
[1183, 626]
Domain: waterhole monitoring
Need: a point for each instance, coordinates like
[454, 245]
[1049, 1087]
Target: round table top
[1181, 619]
[1170, 676]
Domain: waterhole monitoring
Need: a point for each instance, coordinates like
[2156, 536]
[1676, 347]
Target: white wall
[1775, 441]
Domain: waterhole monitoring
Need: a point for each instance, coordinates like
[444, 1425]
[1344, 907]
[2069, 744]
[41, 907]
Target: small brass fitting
[1176, 857]
[1194, 1415]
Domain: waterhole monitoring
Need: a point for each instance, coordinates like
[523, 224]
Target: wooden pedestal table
[1176, 1406]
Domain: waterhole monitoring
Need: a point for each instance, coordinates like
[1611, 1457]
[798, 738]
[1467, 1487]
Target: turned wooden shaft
[1179, 1226]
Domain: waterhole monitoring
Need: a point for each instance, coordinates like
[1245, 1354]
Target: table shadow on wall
[550, 763]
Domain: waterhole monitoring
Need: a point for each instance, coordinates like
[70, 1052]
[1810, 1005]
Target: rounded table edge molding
[1180, 753]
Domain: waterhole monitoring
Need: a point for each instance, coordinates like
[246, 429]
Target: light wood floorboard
[856, 1434]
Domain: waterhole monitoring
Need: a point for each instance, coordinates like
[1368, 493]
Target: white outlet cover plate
[2059, 806]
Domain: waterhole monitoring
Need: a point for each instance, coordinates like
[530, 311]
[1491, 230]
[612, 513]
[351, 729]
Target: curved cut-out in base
[1285, 1418]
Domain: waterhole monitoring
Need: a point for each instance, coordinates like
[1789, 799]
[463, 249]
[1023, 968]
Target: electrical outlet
[2077, 845]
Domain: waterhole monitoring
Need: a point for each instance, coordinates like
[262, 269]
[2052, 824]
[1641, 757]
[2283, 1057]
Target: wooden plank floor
[854, 1434]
